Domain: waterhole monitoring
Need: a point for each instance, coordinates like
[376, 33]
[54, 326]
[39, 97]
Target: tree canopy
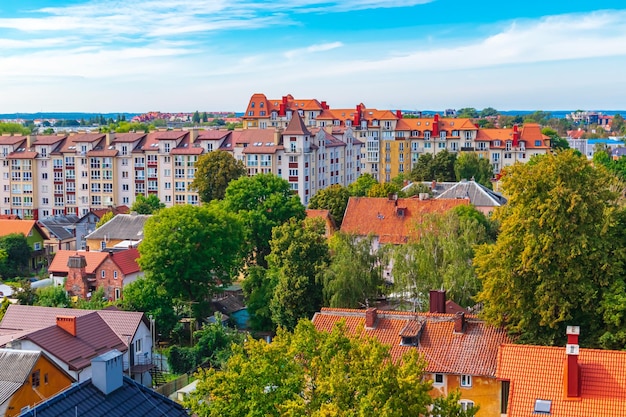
[263, 201]
[147, 205]
[555, 257]
[192, 251]
[311, 373]
[334, 199]
[361, 186]
[105, 218]
[214, 171]
[17, 252]
[439, 167]
[469, 165]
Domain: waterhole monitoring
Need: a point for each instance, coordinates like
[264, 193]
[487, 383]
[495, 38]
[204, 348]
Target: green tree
[147, 205]
[443, 166]
[468, 165]
[192, 251]
[298, 259]
[98, 301]
[467, 113]
[258, 289]
[311, 373]
[488, 112]
[196, 117]
[617, 124]
[214, 171]
[105, 218]
[553, 260]
[383, 189]
[53, 296]
[450, 406]
[18, 254]
[334, 199]
[354, 277]
[14, 128]
[148, 296]
[361, 186]
[4, 306]
[263, 201]
[556, 141]
[423, 168]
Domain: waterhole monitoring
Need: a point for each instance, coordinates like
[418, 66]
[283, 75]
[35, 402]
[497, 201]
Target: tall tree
[467, 112]
[311, 373]
[17, 255]
[104, 219]
[147, 205]
[361, 186]
[553, 260]
[354, 277]
[556, 141]
[263, 201]
[334, 199]
[299, 258]
[423, 168]
[192, 251]
[468, 165]
[440, 167]
[383, 189]
[258, 289]
[214, 171]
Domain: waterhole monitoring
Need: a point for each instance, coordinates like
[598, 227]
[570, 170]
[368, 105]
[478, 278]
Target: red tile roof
[127, 260]
[102, 152]
[22, 155]
[472, 352]
[296, 126]
[393, 221]
[59, 263]
[212, 134]
[8, 226]
[48, 139]
[11, 140]
[127, 137]
[536, 372]
[116, 210]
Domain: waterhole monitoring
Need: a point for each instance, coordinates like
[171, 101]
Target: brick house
[82, 272]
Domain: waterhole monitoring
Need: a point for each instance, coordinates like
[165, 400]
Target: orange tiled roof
[11, 140]
[424, 123]
[127, 137]
[296, 126]
[536, 372]
[382, 217]
[22, 155]
[94, 259]
[102, 152]
[473, 352]
[47, 139]
[24, 227]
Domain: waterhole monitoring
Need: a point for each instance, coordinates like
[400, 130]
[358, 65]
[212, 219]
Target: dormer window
[427, 135]
[408, 341]
[261, 104]
[252, 105]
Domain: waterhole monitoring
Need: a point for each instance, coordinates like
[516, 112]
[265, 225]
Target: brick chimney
[75, 283]
[571, 375]
[357, 116]
[436, 126]
[515, 136]
[437, 301]
[459, 322]
[399, 114]
[67, 323]
[371, 315]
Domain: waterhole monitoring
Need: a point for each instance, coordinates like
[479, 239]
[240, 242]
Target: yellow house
[460, 350]
[123, 229]
[28, 378]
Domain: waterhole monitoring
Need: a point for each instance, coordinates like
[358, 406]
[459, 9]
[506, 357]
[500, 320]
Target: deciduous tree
[147, 205]
[17, 255]
[553, 261]
[361, 186]
[105, 218]
[469, 166]
[334, 199]
[214, 171]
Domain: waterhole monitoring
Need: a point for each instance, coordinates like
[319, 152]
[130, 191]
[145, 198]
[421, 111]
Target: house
[562, 381]
[107, 393]
[123, 229]
[329, 222]
[73, 337]
[35, 237]
[82, 272]
[391, 220]
[481, 197]
[88, 222]
[27, 377]
[61, 232]
[460, 350]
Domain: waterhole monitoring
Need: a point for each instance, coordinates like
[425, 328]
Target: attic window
[542, 406]
[408, 341]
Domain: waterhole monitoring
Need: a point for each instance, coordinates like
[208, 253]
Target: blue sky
[209, 55]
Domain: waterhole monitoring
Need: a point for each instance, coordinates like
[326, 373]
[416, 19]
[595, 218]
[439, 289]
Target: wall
[26, 395]
[484, 392]
[94, 244]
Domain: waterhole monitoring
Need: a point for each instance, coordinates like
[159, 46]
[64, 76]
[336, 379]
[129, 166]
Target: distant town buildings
[306, 142]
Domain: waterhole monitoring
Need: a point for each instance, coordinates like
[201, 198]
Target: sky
[211, 55]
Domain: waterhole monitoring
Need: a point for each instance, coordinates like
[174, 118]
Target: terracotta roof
[9, 217]
[11, 140]
[169, 134]
[127, 137]
[87, 137]
[536, 372]
[22, 155]
[116, 210]
[24, 227]
[445, 123]
[59, 263]
[296, 126]
[472, 352]
[575, 134]
[127, 260]
[187, 151]
[47, 139]
[102, 152]
[212, 134]
[393, 221]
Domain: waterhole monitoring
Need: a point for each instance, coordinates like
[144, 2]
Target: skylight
[543, 406]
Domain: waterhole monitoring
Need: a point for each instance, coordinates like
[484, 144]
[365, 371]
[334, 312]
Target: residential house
[329, 223]
[562, 381]
[26, 378]
[61, 232]
[107, 393]
[35, 237]
[460, 350]
[123, 230]
[73, 337]
[88, 222]
[481, 197]
[82, 272]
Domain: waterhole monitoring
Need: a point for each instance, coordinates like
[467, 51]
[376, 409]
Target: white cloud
[321, 47]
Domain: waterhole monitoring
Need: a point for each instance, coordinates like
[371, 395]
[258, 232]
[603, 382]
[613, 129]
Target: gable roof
[536, 372]
[130, 400]
[391, 219]
[24, 227]
[472, 352]
[15, 368]
[296, 126]
[115, 209]
[94, 260]
[478, 194]
[121, 227]
[60, 227]
[127, 260]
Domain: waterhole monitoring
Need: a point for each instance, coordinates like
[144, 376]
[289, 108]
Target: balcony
[467, 149]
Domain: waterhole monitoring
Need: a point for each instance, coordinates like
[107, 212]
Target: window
[103, 274]
[37, 245]
[537, 143]
[125, 187]
[114, 274]
[45, 379]
[438, 379]
[35, 379]
[466, 404]
[103, 246]
[466, 380]
[137, 345]
[117, 293]
[543, 406]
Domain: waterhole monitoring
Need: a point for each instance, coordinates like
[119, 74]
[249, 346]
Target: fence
[173, 386]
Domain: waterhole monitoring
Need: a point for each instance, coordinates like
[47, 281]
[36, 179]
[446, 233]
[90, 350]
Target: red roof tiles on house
[11, 140]
[536, 372]
[127, 260]
[296, 126]
[392, 220]
[8, 226]
[59, 263]
[472, 352]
